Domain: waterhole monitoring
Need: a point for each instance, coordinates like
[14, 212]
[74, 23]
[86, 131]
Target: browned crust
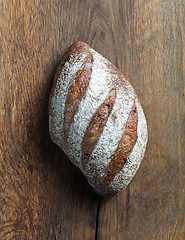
[76, 47]
[96, 126]
[76, 91]
[125, 146]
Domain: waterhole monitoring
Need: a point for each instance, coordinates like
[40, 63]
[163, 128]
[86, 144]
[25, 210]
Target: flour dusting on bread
[94, 127]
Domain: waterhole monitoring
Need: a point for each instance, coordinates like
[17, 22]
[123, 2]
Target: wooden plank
[153, 49]
[42, 195]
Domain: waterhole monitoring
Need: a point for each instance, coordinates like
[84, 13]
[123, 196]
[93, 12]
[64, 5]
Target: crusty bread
[95, 117]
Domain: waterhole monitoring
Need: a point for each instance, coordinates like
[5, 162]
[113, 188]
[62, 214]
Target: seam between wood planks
[97, 219]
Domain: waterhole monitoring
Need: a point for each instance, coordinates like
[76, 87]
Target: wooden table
[42, 195]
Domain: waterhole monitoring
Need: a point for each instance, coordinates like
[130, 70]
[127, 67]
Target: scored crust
[76, 91]
[96, 125]
[96, 118]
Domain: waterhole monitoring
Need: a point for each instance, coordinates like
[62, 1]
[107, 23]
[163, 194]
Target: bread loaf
[95, 117]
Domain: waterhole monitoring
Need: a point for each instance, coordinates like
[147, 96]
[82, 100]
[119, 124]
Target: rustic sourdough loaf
[95, 117]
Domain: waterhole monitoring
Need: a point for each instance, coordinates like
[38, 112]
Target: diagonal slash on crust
[96, 126]
[76, 91]
[125, 146]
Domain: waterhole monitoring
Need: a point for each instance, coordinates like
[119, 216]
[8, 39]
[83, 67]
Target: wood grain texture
[42, 195]
[152, 206]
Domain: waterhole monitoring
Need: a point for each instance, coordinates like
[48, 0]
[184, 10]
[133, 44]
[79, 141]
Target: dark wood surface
[42, 195]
